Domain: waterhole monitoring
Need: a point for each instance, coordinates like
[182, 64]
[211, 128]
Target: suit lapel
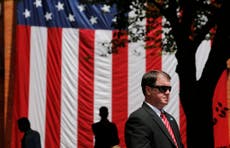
[157, 119]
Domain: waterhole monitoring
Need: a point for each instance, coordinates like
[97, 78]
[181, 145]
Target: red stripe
[21, 87]
[120, 88]
[154, 47]
[86, 88]
[53, 94]
[220, 114]
[183, 126]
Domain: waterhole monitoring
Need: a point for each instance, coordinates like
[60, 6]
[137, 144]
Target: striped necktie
[167, 125]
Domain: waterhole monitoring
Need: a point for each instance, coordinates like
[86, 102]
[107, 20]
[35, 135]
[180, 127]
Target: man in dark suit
[145, 127]
[31, 138]
[106, 134]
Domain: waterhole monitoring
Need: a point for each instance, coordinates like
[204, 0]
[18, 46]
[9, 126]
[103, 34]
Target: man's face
[159, 95]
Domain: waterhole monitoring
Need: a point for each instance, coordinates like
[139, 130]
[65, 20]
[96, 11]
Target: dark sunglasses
[163, 89]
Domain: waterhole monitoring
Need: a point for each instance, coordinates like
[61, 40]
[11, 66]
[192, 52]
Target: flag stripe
[85, 87]
[169, 64]
[153, 54]
[69, 105]
[136, 69]
[220, 112]
[37, 82]
[136, 66]
[53, 91]
[202, 56]
[102, 74]
[119, 85]
[21, 87]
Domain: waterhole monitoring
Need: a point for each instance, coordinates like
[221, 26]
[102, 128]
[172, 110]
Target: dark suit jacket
[106, 134]
[145, 129]
[31, 139]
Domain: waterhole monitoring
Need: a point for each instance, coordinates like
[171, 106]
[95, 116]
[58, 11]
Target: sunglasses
[163, 89]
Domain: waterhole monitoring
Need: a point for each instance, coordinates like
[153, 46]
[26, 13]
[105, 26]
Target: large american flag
[64, 73]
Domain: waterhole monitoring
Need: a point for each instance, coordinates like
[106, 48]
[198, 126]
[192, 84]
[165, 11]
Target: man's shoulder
[138, 112]
[140, 109]
[113, 124]
[35, 132]
[142, 112]
[95, 124]
[32, 134]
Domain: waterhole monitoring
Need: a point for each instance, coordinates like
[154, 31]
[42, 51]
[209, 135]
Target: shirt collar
[156, 110]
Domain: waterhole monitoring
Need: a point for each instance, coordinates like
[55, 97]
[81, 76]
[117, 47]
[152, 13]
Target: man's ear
[148, 90]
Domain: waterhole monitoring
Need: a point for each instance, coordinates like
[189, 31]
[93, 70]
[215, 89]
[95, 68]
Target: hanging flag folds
[65, 71]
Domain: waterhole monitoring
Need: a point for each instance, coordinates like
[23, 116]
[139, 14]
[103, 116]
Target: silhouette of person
[105, 132]
[31, 138]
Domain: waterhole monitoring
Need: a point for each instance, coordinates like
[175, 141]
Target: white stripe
[202, 56]
[102, 73]
[37, 90]
[69, 105]
[169, 64]
[136, 69]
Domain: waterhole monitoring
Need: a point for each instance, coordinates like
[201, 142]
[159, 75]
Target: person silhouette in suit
[145, 127]
[105, 132]
[31, 138]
